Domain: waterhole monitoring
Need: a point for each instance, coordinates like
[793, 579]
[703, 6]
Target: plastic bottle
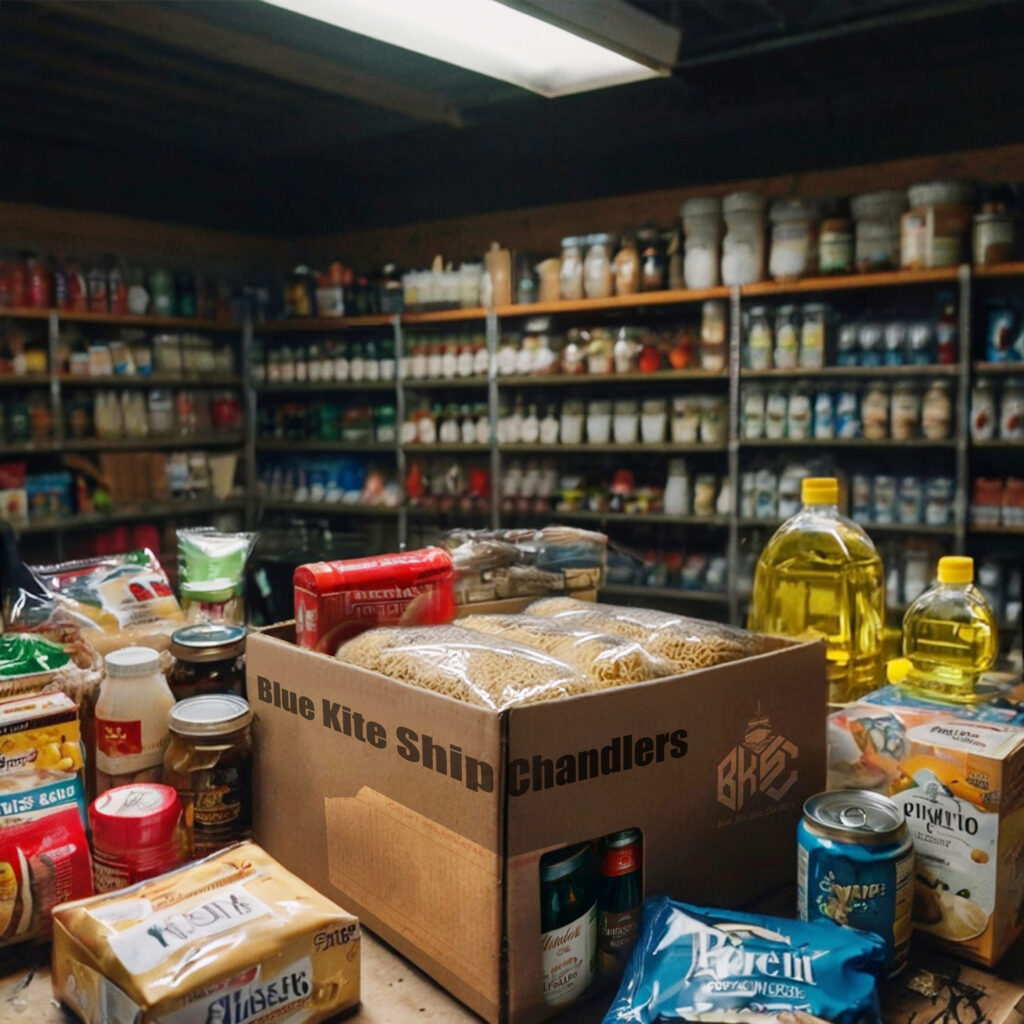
[820, 577]
[131, 719]
[950, 636]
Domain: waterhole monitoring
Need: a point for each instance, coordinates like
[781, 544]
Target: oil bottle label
[569, 959]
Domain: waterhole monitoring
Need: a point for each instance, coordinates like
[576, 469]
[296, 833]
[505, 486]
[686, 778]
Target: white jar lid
[132, 661]
[701, 206]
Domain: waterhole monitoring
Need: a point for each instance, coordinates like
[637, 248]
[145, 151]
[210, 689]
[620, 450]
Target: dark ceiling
[236, 114]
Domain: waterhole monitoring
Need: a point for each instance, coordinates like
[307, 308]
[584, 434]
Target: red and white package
[334, 601]
[43, 862]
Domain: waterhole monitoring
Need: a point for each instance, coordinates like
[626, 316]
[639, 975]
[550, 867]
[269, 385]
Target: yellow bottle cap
[956, 569]
[819, 490]
[898, 669]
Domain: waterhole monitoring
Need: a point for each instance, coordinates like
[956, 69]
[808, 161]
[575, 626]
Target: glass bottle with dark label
[621, 896]
[568, 916]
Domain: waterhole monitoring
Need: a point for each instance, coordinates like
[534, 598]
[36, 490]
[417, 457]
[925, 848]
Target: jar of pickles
[209, 763]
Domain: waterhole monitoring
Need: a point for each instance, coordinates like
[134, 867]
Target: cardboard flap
[431, 884]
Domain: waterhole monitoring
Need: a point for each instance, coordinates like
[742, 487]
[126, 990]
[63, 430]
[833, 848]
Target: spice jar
[599, 422]
[685, 419]
[877, 216]
[937, 410]
[137, 834]
[743, 245]
[652, 260]
[702, 223]
[626, 268]
[906, 411]
[571, 422]
[597, 267]
[794, 251]
[209, 764]
[993, 236]
[835, 246]
[626, 422]
[932, 231]
[713, 336]
[570, 274]
[653, 418]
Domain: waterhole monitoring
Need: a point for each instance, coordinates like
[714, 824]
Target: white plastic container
[597, 267]
[626, 421]
[653, 420]
[599, 422]
[702, 224]
[743, 245]
[794, 252]
[131, 719]
[877, 216]
[677, 489]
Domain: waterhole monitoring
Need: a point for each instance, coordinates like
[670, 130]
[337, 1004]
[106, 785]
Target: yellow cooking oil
[950, 636]
[820, 577]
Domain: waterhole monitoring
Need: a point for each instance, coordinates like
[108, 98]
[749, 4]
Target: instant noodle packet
[234, 939]
[696, 964]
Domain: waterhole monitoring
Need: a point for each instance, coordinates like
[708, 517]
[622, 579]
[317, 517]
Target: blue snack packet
[695, 964]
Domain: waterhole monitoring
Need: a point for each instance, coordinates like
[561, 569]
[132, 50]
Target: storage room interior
[570, 346]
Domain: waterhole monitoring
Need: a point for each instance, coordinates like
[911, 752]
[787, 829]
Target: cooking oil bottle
[950, 636]
[820, 577]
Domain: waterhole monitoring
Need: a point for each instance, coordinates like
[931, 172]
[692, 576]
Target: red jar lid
[137, 815]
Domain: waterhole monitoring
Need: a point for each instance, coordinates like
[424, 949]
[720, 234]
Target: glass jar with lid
[209, 658]
[571, 421]
[759, 339]
[626, 268]
[599, 422]
[835, 246]
[993, 236]
[597, 267]
[653, 420]
[713, 336]
[570, 274]
[937, 410]
[653, 264]
[743, 245]
[794, 252]
[626, 421]
[209, 763]
[702, 222]
[877, 218]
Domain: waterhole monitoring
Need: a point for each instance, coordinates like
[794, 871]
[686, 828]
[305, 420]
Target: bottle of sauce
[131, 719]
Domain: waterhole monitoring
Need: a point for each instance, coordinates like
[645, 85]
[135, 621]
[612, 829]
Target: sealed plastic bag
[687, 643]
[117, 599]
[695, 964]
[464, 664]
[606, 659]
[212, 568]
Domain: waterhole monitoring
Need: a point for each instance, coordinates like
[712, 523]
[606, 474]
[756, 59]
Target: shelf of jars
[998, 369]
[323, 386]
[628, 590]
[329, 508]
[180, 323]
[847, 282]
[845, 442]
[855, 372]
[24, 380]
[267, 444]
[339, 323]
[155, 380]
[218, 440]
[611, 449]
[129, 514]
[609, 379]
[443, 383]
[639, 300]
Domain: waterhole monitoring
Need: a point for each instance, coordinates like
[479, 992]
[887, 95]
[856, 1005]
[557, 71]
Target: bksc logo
[762, 763]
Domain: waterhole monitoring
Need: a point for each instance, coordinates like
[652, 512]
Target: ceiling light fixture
[551, 47]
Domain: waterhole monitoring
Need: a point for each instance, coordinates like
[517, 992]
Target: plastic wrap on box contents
[495, 564]
[696, 964]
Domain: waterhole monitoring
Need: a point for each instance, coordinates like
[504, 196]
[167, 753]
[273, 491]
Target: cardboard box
[428, 817]
[960, 783]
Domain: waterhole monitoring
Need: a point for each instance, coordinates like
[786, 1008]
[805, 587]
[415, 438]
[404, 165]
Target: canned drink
[894, 343]
[855, 866]
[620, 898]
[568, 923]
[775, 411]
[846, 345]
[824, 416]
[847, 417]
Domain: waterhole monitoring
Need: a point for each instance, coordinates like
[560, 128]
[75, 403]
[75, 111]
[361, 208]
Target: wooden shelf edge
[917, 370]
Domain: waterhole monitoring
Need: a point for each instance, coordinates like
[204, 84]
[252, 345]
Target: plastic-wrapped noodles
[464, 664]
[686, 643]
[605, 658]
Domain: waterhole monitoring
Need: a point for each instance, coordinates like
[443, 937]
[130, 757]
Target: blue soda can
[855, 866]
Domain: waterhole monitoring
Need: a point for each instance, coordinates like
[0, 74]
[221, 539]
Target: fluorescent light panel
[484, 36]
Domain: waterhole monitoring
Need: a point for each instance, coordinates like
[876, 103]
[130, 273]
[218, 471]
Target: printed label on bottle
[617, 931]
[569, 959]
[222, 812]
[118, 738]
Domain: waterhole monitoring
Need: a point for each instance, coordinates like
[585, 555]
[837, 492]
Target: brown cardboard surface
[444, 863]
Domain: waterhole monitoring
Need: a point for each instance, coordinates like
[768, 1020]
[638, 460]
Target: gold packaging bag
[234, 938]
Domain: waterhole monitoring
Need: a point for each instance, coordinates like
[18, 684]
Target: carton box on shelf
[428, 817]
[959, 780]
